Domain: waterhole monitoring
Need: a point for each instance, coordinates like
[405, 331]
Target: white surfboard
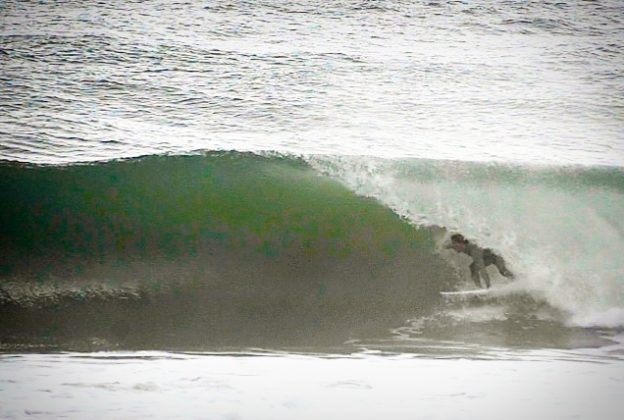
[466, 293]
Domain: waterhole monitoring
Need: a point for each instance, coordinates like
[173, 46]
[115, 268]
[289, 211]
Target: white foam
[611, 318]
[481, 314]
[563, 241]
[292, 386]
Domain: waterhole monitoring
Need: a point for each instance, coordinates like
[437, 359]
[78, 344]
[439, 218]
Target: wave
[202, 248]
[228, 247]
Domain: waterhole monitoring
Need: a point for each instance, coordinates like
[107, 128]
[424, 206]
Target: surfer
[481, 258]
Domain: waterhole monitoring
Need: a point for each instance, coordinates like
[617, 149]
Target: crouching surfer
[481, 258]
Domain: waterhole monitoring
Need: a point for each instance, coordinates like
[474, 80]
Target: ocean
[241, 209]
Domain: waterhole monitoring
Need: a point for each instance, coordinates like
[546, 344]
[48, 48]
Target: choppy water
[216, 176]
[500, 80]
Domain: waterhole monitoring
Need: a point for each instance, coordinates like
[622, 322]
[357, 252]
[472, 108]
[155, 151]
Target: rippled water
[500, 80]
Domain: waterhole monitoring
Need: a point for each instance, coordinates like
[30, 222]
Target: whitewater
[252, 201]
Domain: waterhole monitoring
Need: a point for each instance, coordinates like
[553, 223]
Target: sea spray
[561, 229]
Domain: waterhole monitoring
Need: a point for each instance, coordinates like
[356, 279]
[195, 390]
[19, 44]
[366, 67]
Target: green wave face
[172, 206]
[216, 239]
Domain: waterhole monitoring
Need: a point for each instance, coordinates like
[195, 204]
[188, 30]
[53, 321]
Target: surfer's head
[458, 242]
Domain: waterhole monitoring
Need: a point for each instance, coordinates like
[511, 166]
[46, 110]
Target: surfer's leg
[486, 277]
[474, 274]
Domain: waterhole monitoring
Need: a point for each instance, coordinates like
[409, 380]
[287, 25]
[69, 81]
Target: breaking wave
[229, 247]
[561, 229]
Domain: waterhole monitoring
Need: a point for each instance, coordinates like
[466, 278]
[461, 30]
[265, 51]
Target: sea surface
[240, 209]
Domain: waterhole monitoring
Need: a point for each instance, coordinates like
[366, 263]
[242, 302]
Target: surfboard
[467, 293]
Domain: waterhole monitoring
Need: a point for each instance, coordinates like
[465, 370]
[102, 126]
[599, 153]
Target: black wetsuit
[481, 258]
